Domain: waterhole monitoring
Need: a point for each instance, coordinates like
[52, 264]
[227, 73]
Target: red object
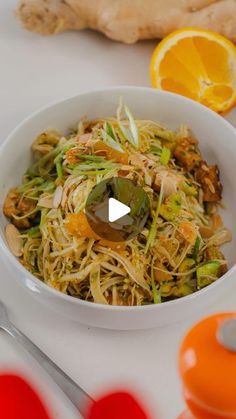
[18, 400]
[120, 405]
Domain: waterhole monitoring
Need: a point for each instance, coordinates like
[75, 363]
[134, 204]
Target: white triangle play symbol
[116, 210]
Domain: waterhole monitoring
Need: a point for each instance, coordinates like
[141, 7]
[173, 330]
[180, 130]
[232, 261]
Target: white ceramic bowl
[218, 143]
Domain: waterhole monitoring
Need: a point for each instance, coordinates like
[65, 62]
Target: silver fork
[80, 399]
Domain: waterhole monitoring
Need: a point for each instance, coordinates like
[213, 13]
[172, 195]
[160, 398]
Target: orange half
[198, 64]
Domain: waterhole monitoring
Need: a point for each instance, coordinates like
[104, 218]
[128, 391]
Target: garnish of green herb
[130, 133]
[33, 231]
[171, 208]
[196, 248]
[153, 229]
[165, 156]
[108, 140]
[207, 273]
[156, 294]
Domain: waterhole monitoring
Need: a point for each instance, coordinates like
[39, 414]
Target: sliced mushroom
[14, 240]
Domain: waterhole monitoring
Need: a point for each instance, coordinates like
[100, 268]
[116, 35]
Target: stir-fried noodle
[177, 252]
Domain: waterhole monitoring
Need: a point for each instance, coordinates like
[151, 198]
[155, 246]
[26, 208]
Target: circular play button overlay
[117, 209]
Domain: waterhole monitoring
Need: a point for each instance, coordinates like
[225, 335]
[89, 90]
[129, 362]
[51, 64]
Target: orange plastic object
[208, 371]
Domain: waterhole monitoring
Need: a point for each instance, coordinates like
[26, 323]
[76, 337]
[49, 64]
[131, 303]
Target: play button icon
[117, 209]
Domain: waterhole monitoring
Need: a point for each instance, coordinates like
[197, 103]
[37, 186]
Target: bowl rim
[58, 294]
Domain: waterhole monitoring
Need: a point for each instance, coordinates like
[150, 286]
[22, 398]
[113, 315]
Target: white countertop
[35, 70]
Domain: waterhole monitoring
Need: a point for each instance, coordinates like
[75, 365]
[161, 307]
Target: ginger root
[128, 20]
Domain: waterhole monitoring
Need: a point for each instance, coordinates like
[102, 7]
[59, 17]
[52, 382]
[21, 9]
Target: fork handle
[80, 399]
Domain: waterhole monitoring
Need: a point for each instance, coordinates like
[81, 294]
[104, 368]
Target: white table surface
[34, 71]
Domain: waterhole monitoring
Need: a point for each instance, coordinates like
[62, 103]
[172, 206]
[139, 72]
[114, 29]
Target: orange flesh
[72, 155]
[111, 154]
[188, 231]
[78, 226]
[201, 67]
[191, 77]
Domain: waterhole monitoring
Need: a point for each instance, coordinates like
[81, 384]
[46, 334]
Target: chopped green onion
[130, 134]
[196, 248]
[47, 186]
[31, 183]
[33, 231]
[133, 128]
[44, 212]
[110, 131]
[90, 165]
[59, 169]
[188, 188]
[94, 172]
[156, 150]
[67, 148]
[156, 294]
[91, 157]
[171, 208]
[59, 158]
[153, 229]
[108, 140]
[207, 273]
[165, 156]
[33, 170]
[126, 133]
[95, 167]
[165, 134]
